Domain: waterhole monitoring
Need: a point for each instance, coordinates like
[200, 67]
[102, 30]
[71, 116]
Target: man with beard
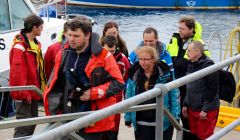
[85, 78]
[189, 31]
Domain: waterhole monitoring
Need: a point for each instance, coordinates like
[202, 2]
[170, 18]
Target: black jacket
[202, 94]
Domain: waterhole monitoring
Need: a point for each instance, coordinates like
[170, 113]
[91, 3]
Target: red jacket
[102, 94]
[50, 57]
[23, 68]
[123, 64]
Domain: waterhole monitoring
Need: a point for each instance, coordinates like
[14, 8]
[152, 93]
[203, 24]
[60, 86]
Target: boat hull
[161, 4]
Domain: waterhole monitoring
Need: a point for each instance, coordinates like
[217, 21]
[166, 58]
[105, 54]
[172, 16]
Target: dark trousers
[148, 133]
[6, 105]
[25, 110]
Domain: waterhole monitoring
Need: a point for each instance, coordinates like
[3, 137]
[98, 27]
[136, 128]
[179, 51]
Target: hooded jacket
[24, 67]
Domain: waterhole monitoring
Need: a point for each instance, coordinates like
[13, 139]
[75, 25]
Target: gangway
[159, 91]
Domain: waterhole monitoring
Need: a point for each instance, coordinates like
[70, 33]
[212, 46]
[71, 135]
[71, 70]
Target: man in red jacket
[27, 68]
[110, 43]
[53, 49]
[86, 77]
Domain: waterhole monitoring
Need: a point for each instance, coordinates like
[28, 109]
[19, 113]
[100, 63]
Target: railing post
[159, 117]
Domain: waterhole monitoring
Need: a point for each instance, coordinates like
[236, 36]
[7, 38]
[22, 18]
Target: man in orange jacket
[84, 63]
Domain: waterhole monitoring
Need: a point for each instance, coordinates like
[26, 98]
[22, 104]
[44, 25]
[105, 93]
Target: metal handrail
[20, 88]
[73, 116]
[159, 90]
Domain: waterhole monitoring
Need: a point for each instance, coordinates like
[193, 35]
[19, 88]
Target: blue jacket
[161, 49]
[171, 100]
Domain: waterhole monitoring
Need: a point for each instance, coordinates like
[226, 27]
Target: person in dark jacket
[189, 30]
[201, 103]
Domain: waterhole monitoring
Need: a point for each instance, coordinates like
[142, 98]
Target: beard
[81, 46]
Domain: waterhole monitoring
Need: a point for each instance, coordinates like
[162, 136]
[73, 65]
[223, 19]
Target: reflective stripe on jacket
[24, 69]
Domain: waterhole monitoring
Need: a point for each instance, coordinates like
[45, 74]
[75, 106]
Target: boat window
[19, 10]
[4, 16]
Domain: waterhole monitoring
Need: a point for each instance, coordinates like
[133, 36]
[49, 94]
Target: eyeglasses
[145, 59]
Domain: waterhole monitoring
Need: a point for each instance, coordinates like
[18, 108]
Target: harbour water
[132, 23]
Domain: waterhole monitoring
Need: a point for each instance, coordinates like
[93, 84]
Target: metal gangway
[80, 120]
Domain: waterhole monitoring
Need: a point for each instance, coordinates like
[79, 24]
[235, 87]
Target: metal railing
[20, 88]
[125, 106]
[225, 130]
[159, 91]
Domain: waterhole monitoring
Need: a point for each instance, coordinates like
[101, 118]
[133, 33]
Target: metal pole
[159, 118]
[65, 5]
[19, 88]
[225, 130]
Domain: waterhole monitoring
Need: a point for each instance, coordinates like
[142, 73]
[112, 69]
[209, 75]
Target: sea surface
[132, 23]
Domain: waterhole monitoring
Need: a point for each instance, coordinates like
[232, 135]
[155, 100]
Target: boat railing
[81, 120]
[217, 32]
[45, 8]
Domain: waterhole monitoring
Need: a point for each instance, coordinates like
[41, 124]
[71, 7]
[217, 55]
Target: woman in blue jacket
[143, 76]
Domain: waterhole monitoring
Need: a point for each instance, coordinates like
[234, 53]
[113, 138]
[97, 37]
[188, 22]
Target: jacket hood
[96, 47]
[161, 47]
[135, 68]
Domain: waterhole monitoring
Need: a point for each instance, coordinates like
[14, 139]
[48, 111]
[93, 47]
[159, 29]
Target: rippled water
[132, 22]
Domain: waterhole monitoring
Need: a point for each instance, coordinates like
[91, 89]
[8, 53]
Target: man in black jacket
[189, 30]
[201, 103]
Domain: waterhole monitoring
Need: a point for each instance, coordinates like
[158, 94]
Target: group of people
[85, 72]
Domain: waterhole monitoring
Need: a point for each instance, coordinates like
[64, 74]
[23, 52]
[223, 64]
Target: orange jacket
[105, 79]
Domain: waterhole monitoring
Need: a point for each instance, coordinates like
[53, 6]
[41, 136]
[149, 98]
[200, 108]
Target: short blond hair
[149, 50]
[198, 45]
